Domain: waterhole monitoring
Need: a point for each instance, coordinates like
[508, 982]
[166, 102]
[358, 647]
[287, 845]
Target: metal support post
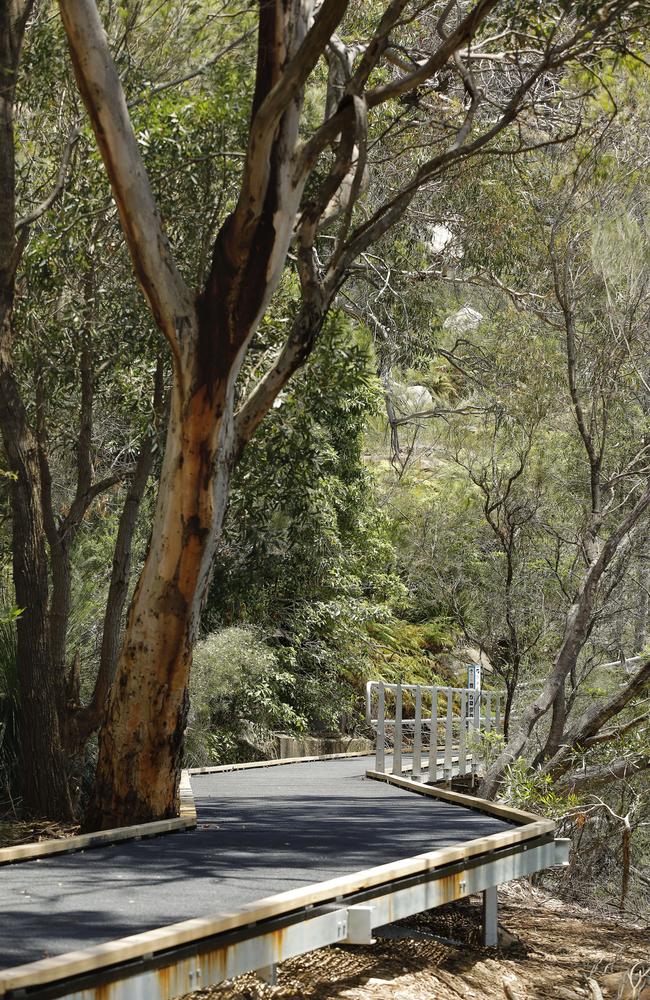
[268, 974]
[490, 917]
[449, 737]
[397, 748]
[462, 735]
[477, 715]
[360, 925]
[433, 739]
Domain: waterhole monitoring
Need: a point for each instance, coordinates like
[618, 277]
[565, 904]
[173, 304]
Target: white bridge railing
[437, 728]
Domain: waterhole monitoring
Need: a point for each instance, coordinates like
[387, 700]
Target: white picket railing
[437, 727]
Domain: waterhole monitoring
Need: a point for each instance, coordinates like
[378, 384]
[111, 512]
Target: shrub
[238, 693]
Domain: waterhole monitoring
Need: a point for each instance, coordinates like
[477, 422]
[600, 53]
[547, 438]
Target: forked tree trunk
[142, 738]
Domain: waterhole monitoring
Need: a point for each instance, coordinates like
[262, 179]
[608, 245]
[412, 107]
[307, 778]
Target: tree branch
[268, 114]
[462, 33]
[296, 350]
[584, 730]
[599, 774]
[39, 210]
[170, 300]
[88, 719]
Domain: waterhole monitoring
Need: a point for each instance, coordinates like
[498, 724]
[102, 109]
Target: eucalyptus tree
[597, 267]
[298, 178]
[80, 409]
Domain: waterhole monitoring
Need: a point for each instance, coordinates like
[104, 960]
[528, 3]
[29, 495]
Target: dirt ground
[550, 950]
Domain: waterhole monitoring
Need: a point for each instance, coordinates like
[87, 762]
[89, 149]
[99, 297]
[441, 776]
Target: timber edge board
[526, 827]
[498, 809]
[104, 838]
[185, 821]
[248, 765]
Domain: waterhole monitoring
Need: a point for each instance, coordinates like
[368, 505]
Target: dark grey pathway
[260, 832]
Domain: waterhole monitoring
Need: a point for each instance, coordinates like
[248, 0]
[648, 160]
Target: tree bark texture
[42, 772]
[142, 738]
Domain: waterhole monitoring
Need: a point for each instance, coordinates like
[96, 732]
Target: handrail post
[397, 749]
[462, 736]
[433, 739]
[417, 734]
[369, 687]
[380, 743]
[477, 711]
[449, 736]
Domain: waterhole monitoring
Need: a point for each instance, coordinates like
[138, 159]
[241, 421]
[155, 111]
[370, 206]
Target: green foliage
[306, 553]
[237, 688]
[404, 652]
[527, 788]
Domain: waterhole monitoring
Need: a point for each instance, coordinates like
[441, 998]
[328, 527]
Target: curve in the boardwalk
[260, 832]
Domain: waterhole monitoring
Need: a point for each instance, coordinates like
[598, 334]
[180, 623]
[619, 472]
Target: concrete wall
[312, 746]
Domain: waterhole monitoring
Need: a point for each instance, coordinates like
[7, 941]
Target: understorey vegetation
[325, 357]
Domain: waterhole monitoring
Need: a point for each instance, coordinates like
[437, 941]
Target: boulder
[463, 321]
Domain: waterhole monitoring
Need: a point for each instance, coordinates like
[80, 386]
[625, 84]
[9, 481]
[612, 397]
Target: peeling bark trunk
[142, 739]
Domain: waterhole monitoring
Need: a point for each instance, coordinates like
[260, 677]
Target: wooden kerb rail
[87, 841]
[169, 961]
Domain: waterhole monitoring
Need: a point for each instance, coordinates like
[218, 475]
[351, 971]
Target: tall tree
[298, 178]
[597, 264]
[45, 780]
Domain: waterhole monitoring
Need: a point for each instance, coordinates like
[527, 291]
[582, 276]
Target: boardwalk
[260, 832]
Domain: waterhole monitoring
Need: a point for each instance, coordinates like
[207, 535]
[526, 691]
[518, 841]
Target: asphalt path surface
[260, 832]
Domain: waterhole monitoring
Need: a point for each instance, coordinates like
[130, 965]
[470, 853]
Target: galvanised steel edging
[270, 930]
[179, 969]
